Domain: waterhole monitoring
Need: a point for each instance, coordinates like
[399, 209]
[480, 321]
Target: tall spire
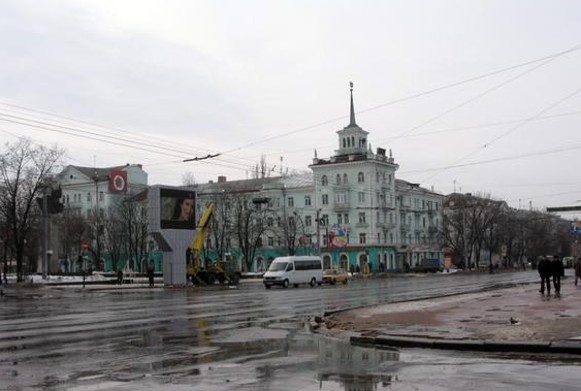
[352, 121]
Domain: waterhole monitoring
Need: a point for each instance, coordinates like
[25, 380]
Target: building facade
[89, 195]
[351, 210]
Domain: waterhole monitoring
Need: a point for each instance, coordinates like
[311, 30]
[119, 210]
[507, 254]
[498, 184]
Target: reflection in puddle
[356, 367]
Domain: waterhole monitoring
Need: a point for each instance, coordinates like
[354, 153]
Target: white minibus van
[294, 270]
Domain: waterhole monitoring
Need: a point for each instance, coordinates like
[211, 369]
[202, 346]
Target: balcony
[385, 226]
[341, 207]
[386, 205]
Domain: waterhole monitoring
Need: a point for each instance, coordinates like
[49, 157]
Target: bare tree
[115, 238]
[220, 228]
[23, 170]
[454, 233]
[95, 231]
[261, 169]
[482, 214]
[250, 225]
[134, 220]
[188, 179]
[291, 230]
[72, 230]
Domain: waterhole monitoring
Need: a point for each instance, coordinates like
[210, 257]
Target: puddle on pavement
[355, 367]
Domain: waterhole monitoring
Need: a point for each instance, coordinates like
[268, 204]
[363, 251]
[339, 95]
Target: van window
[277, 266]
[308, 264]
[289, 267]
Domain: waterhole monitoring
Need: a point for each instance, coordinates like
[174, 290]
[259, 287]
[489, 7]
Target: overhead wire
[547, 58]
[118, 141]
[543, 61]
[509, 131]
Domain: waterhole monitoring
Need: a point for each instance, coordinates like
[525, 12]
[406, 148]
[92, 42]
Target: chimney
[221, 179]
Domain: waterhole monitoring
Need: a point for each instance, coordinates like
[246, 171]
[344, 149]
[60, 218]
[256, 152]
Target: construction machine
[208, 272]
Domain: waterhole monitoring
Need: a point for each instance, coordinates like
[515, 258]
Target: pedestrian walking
[577, 269]
[150, 274]
[119, 276]
[558, 271]
[544, 269]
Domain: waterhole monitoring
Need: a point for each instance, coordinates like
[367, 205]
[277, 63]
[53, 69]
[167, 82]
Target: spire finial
[352, 121]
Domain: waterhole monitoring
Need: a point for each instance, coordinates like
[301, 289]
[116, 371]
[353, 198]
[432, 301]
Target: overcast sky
[472, 96]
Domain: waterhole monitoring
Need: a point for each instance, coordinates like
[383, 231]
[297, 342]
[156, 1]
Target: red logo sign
[118, 181]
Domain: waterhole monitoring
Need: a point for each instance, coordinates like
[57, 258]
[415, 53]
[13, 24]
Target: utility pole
[318, 232]
[45, 233]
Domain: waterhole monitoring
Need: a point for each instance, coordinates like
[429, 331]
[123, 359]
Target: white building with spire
[353, 210]
[370, 218]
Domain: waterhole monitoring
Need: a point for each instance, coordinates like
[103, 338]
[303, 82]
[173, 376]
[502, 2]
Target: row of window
[88, 213]
[343, 218]
[308, 240]
[77, 197]
[341, 198]
[380, 177]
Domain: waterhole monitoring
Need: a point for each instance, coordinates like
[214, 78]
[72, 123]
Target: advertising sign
[338, 236]
[177, 209]
[118, 181]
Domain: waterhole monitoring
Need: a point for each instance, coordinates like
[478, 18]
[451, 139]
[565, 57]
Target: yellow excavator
[208, 272]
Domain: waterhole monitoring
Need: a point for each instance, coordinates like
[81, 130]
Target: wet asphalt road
[246, 338]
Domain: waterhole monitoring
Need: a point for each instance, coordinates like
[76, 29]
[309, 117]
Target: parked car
[333, 276]
[428, 266]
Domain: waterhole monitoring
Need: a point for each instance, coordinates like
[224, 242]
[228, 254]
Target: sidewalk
[512, 319]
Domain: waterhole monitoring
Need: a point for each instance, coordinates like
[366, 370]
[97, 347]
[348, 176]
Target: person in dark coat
[544, 269]
[577, 269]
[150, 274]
[119, 276]
[558, 271]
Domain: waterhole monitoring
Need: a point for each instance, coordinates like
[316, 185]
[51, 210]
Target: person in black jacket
[544, 269]
[558, 272]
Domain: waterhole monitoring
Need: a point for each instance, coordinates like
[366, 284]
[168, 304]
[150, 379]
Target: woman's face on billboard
[187, 208]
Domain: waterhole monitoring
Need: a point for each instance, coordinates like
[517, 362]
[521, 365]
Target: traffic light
[54, 201]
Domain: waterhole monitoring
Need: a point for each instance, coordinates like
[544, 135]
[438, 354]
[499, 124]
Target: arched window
[352, 141]
[324, 181]
[360, 177]
[344, 143]
[345, 179]
[338, 179]
[377, 177]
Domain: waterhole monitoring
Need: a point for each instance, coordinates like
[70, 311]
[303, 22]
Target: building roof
[402, 185]
[257, 185]
[99, 173]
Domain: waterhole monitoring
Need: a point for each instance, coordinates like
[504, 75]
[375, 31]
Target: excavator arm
[197, 244]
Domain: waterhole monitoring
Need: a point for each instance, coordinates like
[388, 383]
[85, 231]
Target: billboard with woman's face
[177, 209]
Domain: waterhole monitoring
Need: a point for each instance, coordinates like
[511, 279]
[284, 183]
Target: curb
[569, 347]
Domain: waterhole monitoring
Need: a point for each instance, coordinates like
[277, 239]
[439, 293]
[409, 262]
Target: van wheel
[313, 281]
[285, 284]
